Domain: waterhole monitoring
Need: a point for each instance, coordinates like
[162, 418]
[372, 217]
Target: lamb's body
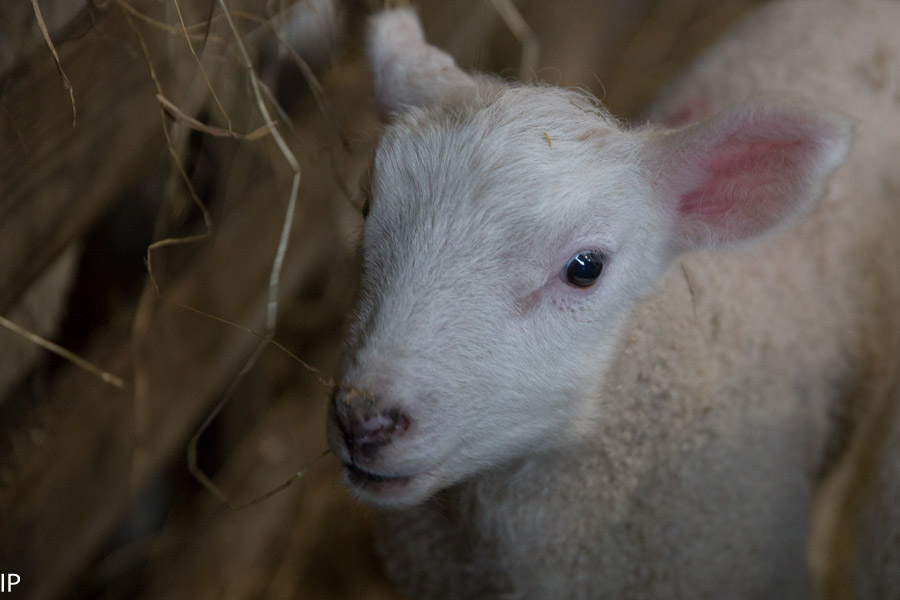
[732, 386]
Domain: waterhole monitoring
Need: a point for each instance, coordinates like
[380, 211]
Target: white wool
[661, 433]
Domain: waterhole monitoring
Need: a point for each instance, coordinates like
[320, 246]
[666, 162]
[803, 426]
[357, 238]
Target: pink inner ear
[746, 186]
[747, 170]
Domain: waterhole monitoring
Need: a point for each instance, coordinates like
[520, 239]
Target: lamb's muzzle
[363, 433]
[365, 427]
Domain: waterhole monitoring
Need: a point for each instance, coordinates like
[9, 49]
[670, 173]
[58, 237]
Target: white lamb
[599, 362]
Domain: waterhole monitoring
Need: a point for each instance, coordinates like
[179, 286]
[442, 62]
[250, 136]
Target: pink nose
[366, 427]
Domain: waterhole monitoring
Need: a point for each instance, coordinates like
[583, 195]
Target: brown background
[95, 497]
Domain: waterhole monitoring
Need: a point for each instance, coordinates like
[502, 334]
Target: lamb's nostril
[375, 424]
[365, 428]
[380, 428]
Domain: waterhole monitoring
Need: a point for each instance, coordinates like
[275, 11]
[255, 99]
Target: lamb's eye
[584, 268]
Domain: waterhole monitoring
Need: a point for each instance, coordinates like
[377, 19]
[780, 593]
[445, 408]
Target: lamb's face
[511, 231]
[500, 256]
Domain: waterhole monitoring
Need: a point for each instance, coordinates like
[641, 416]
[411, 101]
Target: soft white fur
[662, 433]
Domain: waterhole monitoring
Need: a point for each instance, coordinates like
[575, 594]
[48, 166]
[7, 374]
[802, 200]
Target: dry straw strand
[263, 338]
[141, 320]
[270, 96]
[171, 29]
[520, 28]
[182, 118]
[261, 93]
[212, 91]
[173, 152]
[188, 32]
[66, 83]
[104, 376]
[274, 284]
[277, 263]
[314, 85]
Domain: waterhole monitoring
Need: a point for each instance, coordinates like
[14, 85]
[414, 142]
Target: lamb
[592, 361]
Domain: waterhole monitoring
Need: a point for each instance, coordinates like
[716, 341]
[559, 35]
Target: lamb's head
[510, 231]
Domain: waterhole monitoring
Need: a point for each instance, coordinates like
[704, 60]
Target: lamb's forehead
[505, 154]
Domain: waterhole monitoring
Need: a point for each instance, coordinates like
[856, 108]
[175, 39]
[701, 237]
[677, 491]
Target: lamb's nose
[366, 426]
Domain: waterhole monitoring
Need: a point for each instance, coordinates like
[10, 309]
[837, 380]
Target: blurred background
[174, 130]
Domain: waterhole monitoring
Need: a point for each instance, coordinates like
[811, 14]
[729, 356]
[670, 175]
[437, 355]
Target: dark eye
[584, 268]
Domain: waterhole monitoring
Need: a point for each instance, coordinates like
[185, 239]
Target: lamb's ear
[407, 71]
[746, 171]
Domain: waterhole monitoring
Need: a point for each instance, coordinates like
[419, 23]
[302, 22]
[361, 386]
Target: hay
[66, 83]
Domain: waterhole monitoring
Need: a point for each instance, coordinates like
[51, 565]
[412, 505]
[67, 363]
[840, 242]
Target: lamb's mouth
[362, 478]
[390, 491]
